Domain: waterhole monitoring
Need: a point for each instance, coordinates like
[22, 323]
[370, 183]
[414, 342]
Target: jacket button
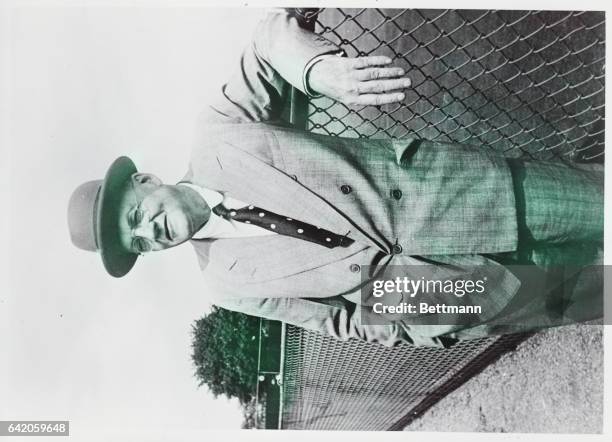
[355, 268]
[346, 189]
[396, 193]
[396, 249]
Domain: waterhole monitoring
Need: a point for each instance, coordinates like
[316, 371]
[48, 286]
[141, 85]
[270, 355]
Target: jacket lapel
[253, 181]
[263, 258]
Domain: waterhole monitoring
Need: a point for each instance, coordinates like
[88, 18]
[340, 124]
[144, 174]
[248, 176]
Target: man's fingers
[376, 73]
[378, 99]
[375, 82]
[374, 60]
[379, 86]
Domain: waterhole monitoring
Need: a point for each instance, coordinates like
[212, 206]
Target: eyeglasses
[139, 244]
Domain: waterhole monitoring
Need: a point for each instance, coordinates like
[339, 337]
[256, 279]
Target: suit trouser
[560, 224]
[560, 230]
[559, 210]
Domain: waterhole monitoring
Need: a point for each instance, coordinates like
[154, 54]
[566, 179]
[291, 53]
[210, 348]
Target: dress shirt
[219, 227]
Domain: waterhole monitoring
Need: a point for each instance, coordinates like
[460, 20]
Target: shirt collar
[211, 197]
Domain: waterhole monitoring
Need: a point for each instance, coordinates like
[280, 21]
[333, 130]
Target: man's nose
[147, 228]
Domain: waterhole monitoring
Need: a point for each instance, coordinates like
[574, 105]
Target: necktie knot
[222, 211]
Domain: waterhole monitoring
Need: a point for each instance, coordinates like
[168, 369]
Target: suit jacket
[457, 203]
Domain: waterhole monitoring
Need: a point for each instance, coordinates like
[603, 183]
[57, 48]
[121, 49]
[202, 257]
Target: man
[284, 222]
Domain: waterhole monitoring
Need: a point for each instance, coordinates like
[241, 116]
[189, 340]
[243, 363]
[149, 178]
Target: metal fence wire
[521, 82]
[526, 83]
[333, 385]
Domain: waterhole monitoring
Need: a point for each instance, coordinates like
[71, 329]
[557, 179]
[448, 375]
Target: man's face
[156, 216]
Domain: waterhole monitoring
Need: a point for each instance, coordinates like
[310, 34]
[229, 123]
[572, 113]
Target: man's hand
[358, 81]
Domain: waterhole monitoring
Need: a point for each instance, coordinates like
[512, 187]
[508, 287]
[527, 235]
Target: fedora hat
[93, 217]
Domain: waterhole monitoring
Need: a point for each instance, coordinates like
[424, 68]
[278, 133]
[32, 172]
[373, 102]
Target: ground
[552, 383]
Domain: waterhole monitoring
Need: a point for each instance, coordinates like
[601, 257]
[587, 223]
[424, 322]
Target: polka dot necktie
[283, 225]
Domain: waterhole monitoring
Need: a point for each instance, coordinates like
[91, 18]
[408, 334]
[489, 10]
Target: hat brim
[116, 259]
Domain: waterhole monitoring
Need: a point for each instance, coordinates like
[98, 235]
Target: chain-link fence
[333, 385]
[526, 83]
[521, 82]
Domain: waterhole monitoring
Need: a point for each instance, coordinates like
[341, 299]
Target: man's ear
[146, 179]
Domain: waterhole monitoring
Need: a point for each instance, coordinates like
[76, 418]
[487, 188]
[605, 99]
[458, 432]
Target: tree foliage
[225, 349]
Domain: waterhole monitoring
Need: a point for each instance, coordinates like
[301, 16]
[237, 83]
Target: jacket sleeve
[335, 317]
[278, 57]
